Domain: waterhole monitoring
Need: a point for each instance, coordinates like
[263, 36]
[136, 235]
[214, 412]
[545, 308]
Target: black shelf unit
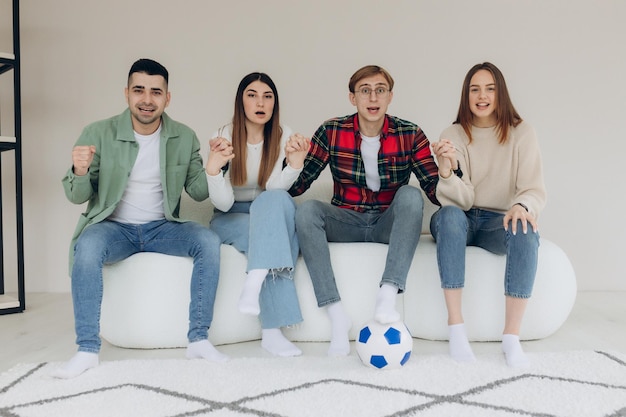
[10, 64]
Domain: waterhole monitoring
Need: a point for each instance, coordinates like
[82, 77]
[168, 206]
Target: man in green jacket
[131, 169]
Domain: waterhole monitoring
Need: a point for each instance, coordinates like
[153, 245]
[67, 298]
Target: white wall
[565, 64]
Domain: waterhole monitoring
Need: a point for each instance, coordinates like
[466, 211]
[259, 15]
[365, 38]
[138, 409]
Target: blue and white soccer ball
[384, 346]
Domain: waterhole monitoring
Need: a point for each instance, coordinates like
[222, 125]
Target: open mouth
[146, 110]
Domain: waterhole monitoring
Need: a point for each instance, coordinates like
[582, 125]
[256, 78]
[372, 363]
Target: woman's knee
[448, 218]
[271, 196]
[451, 215]
[530, 239]
[273, 200]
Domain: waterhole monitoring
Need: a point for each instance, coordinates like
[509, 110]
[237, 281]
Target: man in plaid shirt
[371, 157]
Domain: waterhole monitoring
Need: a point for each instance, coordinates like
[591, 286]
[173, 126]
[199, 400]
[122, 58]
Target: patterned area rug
[579, 383]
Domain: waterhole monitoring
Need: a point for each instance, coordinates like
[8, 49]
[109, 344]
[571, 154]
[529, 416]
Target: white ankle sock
[513, 352]
[386, 304]
[340, 323]
[277, 344]
[79, 363]
[249, 299]
[203, 349]
[460, 349]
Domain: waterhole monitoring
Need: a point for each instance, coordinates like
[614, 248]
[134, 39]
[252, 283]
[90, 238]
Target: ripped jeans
[265, 231]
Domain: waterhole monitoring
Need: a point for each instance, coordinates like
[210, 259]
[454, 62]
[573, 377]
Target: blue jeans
[265, 231]
[108, 242]
[399, 226]
[454, 229]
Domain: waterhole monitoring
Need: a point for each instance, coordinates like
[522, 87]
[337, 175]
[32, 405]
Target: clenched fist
[82, 156]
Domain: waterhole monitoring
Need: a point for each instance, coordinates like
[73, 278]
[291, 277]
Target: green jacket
[116, 151]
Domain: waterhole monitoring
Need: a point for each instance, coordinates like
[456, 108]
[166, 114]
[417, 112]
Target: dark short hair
[149, 67]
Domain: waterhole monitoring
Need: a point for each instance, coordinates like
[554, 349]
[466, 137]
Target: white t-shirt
[142, 201]
[369, 152]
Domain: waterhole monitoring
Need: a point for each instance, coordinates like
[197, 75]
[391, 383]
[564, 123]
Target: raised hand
[445, 152]
[221, 153]
[82, 157]
[296, 150]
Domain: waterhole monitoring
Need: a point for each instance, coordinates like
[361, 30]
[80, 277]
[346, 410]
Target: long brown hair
[272, 133]
[506, 115]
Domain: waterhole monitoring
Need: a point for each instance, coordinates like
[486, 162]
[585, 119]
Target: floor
[44, 333]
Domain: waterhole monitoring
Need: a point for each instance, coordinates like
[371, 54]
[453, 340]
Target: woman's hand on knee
[518, 212]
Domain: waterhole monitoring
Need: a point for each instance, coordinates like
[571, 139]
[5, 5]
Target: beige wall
[564, 61]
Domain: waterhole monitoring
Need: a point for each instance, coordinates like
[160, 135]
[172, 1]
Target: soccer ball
[384, 346]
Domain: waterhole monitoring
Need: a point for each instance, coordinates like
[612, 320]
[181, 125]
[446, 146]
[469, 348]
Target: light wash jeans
[399, 226]
[454, 229]
[108, 242]
[265, 231]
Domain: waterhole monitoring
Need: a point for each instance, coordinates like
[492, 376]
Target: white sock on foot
[513, 352]
[340, 323]
[77, 365]
[460, 349]
[203, 349]
[249, 299]
[277, 344]
[386, 304]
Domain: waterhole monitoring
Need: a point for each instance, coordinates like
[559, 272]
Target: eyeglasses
[378, 91]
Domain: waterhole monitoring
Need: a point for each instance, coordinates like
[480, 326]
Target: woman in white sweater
[491, 190]
[251, 164]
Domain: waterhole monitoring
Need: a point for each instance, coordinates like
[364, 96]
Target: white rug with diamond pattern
[577, 383]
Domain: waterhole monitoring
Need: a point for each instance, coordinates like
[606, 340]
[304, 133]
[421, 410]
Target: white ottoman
[146, 297]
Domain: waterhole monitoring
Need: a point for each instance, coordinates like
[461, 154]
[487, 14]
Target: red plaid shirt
[404, 148]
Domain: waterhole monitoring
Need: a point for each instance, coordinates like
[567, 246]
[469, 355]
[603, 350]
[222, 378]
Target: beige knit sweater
[495, 176]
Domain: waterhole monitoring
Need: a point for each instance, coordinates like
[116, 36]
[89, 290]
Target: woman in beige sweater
[491, 190]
